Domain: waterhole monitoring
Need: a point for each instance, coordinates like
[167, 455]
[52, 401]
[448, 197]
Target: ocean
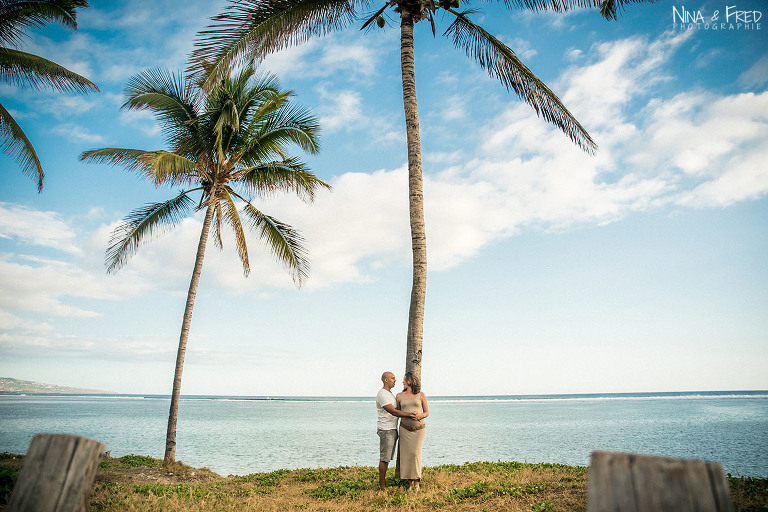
[243, 435]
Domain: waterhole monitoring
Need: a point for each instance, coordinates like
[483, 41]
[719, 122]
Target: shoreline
[756, 393]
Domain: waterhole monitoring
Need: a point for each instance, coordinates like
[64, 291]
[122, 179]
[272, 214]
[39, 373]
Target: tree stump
[623, 482]
[57, 474]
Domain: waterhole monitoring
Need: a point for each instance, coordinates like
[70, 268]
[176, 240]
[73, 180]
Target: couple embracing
[410, 405]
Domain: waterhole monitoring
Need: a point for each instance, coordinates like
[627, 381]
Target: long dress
[411, 440]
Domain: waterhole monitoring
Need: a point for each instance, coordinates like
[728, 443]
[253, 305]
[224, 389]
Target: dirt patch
[132, 469]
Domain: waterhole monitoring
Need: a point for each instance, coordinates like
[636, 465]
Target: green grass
[130, 462]
[140, 483]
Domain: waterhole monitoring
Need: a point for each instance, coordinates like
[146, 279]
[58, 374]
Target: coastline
[239, 435]
[758, 393]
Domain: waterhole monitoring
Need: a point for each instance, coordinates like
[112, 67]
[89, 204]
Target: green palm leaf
[169, 168]
[14, 142]
[251, 29]
[17, 17]
[160, 167]
[289, 175]
[232, 217]
[128, 158]
[145, 222]
[286, 244]
[608, 8]
[217, 225]
[501, 63]
[163, 92]
[292, 124]
[25, 69]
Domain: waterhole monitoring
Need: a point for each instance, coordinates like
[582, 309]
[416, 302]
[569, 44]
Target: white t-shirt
[386, 421]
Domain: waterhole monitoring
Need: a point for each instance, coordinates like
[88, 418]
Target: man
[386, 426]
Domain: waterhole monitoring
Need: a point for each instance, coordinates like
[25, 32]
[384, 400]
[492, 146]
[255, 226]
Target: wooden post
[57, 474]
[623, 482]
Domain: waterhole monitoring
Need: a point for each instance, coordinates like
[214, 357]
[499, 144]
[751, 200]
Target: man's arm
[396, 412]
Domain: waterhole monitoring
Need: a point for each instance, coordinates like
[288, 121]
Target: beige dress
[412, 434]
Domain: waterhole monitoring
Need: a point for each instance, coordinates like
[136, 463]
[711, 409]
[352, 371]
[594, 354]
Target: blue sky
[641, 268]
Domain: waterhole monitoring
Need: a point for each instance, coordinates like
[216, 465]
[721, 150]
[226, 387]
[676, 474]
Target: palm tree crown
[27, 70]
[228, 145]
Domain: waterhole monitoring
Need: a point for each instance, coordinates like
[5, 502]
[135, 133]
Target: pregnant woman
[412, 431]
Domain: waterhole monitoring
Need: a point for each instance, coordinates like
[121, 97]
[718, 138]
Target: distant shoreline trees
[229, 146]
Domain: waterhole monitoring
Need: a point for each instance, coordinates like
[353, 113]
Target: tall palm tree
[249, 30]
[28, 70]
[229, 146]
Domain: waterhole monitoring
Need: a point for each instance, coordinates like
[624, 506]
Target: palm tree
[233, 136]
[28, 70]
[249, 30]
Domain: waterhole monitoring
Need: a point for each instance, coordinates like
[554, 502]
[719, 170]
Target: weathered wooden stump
[57, 474]
[623, 482]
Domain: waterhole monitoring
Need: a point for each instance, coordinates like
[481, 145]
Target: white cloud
[143, 119]
[76, 132]
[695, 149]
[757, 75]
[38, 285]
[23, 342]
[341, 110]
[354, 56]
[42, 228]
[455, 108]
[597, 92]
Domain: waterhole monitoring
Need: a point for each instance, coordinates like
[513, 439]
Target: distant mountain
[8, 385]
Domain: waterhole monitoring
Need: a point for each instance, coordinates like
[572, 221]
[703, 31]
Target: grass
[139, 483]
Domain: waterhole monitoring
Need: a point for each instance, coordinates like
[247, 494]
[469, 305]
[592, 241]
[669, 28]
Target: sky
[640, 268]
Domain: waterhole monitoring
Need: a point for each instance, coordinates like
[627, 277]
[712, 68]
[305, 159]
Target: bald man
[386, 426]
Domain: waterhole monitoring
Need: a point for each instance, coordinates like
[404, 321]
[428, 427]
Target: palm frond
[248, 30]
[286, 244]
[293, 124]
[160, 167]
[128, 158]
[18, 16]
[27, 70]
[608, 8]
[14, 142]
[169, 168]
[289, 175]
[143, 223]
[375, 15]
[217, 226]
[501, 63]
[232, 218]
[164, 93]
[174, 102]
[229, 117]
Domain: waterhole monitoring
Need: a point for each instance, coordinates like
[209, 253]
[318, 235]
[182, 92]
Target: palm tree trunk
[170, 438]
[415, 199]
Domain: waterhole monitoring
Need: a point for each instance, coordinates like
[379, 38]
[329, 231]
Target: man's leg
[383, 474]
[387, 441]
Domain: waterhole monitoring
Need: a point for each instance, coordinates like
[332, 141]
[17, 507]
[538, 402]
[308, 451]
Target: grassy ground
[138, 483]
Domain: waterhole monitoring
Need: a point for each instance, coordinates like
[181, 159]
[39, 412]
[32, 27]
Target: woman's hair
[414, 382]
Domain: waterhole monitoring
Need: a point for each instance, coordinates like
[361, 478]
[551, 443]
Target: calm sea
[241, 435]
